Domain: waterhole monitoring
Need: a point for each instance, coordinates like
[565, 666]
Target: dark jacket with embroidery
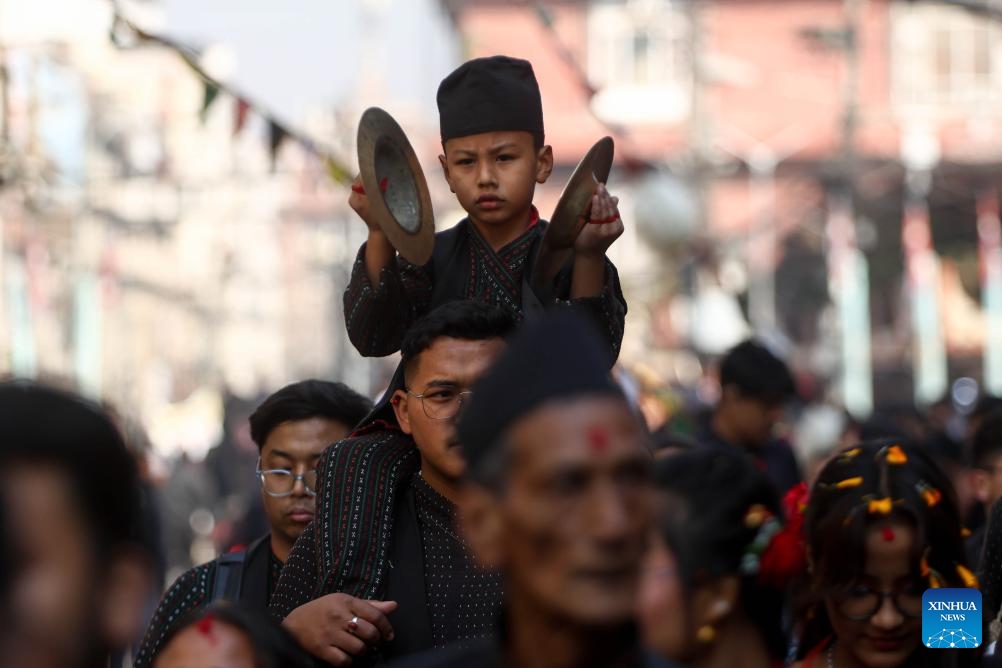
[366, 539]
[463, 266]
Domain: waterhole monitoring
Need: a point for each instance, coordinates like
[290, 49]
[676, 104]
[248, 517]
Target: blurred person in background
[818, 434]
[985, 476]
[713, 582]
[227, 636]
[986, 404]
[80, 574]
[755, 386]
[236, 508]
[292, 428]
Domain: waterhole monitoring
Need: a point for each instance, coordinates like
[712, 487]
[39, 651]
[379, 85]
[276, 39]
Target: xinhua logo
[951, 618]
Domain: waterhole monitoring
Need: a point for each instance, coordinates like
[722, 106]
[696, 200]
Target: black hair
[756, 373]
[273, 646]
[707, 495]
[838, 517]
[308, 399]
[986, 446]
[987, 403]
[58, 429]
[538, 141]
[464, 319]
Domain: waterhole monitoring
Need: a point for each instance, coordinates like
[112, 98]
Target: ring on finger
[353, 625]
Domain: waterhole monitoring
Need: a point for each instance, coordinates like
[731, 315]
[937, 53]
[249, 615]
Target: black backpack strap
[229, 575]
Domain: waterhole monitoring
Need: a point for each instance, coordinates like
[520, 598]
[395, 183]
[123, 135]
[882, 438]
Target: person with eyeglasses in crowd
[291, 427]
[383, 571]
[881, 526]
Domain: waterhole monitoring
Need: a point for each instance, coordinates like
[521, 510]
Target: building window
[639, 58]
[944, 57]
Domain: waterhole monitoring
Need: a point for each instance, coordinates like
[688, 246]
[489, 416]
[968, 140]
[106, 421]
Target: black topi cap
[558, 356]
[488, 95]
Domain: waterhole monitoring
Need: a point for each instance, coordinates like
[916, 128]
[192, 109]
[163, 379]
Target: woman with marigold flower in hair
[881, 527]
[712, 587]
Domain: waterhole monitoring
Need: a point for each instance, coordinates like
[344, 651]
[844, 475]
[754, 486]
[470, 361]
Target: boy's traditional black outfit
[483, 95]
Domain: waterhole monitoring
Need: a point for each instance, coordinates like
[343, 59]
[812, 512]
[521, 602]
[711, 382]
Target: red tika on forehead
[598, 438]
[888, 534]
[205, 626]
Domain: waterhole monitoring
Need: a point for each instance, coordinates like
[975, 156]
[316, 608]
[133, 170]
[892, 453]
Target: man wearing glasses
[292, 427]
[383, 571]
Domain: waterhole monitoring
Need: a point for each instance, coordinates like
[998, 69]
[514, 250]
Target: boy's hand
[359, 201]
[603, 227]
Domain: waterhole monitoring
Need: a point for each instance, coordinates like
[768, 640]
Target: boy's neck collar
[496, 241]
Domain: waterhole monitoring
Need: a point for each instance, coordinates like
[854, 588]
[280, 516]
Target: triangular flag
[240, 119]
[210, 95]
[276, 135]
[338, 172]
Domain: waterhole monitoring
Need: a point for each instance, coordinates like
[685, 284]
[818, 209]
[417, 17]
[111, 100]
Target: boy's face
[494, 175]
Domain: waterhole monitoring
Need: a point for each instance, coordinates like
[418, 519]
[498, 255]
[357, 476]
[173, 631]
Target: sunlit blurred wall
[152, 255]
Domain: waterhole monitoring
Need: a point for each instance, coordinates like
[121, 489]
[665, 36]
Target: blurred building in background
[826, 158]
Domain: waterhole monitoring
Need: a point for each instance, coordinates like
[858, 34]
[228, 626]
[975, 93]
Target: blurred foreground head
[78, 575]
[227, 635]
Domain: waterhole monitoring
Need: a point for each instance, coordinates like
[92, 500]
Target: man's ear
[544, 164]
[482, 525]
[445, 171]
[126, 589]
[399, 402]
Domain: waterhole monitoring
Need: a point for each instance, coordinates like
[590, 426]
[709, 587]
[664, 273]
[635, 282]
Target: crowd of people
[503, 503]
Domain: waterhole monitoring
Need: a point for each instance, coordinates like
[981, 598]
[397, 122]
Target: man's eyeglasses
[442, 403]
[281, 482]
[859, 603]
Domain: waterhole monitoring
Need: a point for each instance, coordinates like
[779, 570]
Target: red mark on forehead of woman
[598, 438]
[888, 534]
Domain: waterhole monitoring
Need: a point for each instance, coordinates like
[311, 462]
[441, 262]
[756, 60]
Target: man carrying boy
[491, 121]
[382, 571]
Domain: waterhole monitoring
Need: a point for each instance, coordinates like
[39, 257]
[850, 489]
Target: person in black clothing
[755, 385]
[985, 475]
[383, 572]
[558, 496]
[493, 155]
[291, 427]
